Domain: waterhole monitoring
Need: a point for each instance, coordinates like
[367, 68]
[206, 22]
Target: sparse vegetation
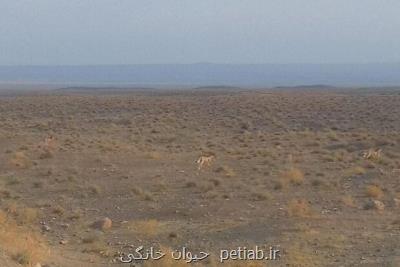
[348, 201]
[374, 191]
[299, 208]
[226, 171]
[294, 176]
[358, 170]
[149, 227]
[22, 243]
[21, 160]
[289, 168]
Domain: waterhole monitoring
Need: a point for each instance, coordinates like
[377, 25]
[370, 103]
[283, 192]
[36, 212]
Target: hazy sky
[190, 31]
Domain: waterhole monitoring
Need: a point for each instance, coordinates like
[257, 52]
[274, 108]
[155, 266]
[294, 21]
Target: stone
[103, 224]
[46, 228]
[374, 204]
[378, 205]
[396, 202]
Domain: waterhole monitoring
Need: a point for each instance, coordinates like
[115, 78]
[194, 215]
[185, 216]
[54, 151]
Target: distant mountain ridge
[205, 74]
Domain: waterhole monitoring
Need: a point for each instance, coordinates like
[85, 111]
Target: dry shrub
[94, 189]
[75, 215]
[318, 182]
[153, 155]
[13, 180]
[299, 208]
[332, 135]
[27, 215]
[22, 215]
[99, 247]
[21, 160]
[3, 217]
[374, 191]
[261, 196]
[280, 184]
[369, 165]
[145, 195]
[190, 184]
[47, 154]
[264, 153]
[339, 156]
[374, 204]
[226, 171]
[92, 238]
[294, 176]
[348, 201]
[12, 208]
[301, 251]
[205, 186]
[94, 243]
[21, 243]
[358, 170]
[57, 209]
[300, 256]
[145, 227]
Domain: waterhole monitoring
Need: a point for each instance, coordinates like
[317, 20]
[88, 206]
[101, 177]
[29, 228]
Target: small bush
[299, 208]
[145, 227]
[295, 176]
[348, 201]
[358, 170]
[226, 171]
[374, 191]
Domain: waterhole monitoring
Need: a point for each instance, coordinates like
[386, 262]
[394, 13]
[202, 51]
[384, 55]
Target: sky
[90, 32]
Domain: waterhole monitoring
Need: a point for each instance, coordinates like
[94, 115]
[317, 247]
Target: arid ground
[291, 169]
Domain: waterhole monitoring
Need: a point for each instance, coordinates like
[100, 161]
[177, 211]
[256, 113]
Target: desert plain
[87, 176]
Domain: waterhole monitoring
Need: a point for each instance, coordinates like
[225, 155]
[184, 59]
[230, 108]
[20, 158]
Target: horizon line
[198, 63]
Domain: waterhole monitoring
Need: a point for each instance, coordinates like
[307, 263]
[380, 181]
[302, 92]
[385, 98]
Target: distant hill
[102, 88]
[203, 75]
[311, 86]
[217, 87]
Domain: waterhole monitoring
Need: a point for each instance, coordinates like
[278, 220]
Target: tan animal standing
[204, 161]
[372, 154]
[48, 143]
